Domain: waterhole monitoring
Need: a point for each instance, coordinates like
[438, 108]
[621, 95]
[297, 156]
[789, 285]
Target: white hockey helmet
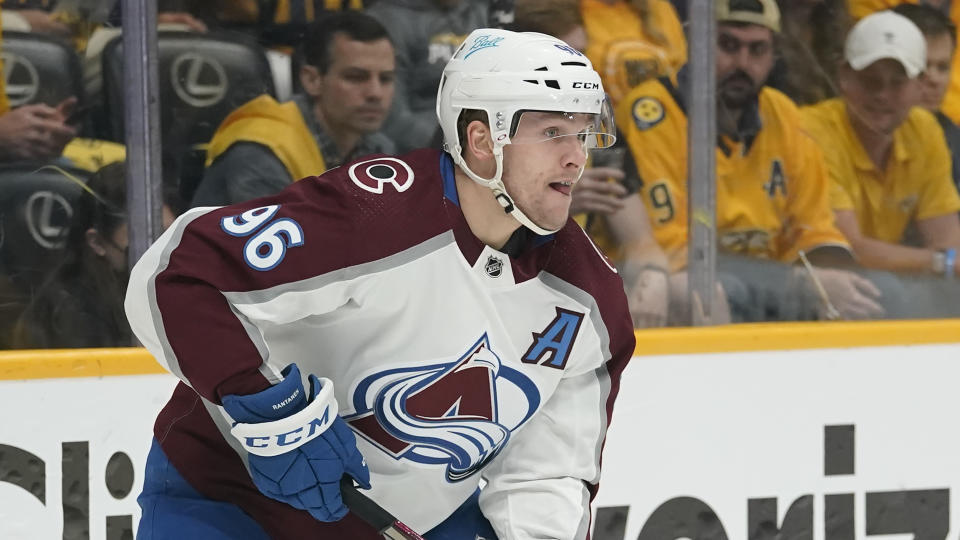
[508, 73]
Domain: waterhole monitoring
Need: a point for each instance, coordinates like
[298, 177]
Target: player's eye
[551, 132]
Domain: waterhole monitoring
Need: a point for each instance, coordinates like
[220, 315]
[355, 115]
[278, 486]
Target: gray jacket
[425, 37]
[248, 170]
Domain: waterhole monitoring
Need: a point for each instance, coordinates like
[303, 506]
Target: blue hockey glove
[299, 448]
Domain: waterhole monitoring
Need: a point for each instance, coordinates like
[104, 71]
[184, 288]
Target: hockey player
[416, 322]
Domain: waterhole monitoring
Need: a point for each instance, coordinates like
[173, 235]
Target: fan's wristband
[282, 436]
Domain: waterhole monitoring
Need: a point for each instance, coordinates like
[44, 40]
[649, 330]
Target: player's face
[880, 95]
[936, 78]
[543, 161]
[355, 94]
[744, 60]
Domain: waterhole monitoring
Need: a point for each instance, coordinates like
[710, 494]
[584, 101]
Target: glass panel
[61, 269]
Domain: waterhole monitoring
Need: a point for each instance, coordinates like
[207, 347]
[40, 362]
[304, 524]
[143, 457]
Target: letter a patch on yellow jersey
[647, 112]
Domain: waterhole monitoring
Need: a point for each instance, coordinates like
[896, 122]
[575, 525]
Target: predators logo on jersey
[647, 112]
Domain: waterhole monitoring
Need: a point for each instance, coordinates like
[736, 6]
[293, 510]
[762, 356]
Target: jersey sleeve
[653, 126]
[541, 485]
[811, 221]
[202, 295]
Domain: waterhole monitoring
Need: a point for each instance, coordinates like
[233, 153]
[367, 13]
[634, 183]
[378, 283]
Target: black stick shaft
[372, 513]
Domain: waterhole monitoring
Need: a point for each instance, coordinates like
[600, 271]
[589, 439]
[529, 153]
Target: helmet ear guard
[506, 74]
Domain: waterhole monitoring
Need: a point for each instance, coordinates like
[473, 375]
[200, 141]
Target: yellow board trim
[795, 336]
[60, 363]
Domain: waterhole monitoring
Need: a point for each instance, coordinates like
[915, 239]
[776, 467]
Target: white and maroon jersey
[451, 360]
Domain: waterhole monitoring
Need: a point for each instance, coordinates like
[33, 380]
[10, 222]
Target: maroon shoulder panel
[351, 215]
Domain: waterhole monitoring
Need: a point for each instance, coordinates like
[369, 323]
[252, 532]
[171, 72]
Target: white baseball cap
[886, 34]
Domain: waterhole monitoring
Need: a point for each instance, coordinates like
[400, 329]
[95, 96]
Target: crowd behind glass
[838, 152]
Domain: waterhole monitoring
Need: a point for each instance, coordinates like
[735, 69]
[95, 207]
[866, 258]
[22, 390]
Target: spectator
[33, 16]
[622, 227]
[263, 146]
[941, 36]
[35, 132]
[888, 160]
[285, 23]
[81, 302]
[425, 33]
[810, 49]
[501, 13]
[631, 41]
[680, 6]
[861, 8]
[92, 38]
[951, 102]
[40, 132]
[771, 181]
[558, 18]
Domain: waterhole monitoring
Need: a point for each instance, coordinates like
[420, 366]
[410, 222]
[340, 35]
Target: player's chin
[555, 218]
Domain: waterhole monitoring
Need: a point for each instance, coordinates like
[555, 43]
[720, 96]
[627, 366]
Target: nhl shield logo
[494, 266]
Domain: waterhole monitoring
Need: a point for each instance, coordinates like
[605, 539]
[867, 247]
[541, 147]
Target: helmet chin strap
[495, 184]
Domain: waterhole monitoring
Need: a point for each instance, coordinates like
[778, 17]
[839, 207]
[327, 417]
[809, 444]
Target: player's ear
[479, 142]
[310, 80]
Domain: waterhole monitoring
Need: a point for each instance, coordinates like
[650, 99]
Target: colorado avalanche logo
[459, 413]
[374, 174]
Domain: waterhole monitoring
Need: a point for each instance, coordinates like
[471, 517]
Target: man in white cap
[888, 160]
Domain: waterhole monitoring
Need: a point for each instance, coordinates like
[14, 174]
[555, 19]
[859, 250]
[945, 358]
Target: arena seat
[36, 204]
[40, 69]
[202, 78]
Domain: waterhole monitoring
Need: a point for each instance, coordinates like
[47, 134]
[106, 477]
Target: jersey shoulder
[921, 124]
[824, 116]
[379, 178]
[578, 261]
[775, 102]
[364, 211]
[387, 196]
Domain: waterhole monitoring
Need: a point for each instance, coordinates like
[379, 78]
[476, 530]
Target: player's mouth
[563, 187]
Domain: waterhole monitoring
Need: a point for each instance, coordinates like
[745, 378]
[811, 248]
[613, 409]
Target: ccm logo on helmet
[587, 85]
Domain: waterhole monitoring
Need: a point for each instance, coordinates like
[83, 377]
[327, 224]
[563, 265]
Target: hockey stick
[374, 514]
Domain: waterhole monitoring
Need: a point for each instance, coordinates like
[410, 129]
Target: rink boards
[823, 431]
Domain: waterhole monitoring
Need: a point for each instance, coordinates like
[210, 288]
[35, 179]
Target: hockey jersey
[451, 360]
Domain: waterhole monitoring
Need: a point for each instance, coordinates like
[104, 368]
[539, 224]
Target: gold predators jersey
[624, 53]
[916, 183]
[772, 191]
